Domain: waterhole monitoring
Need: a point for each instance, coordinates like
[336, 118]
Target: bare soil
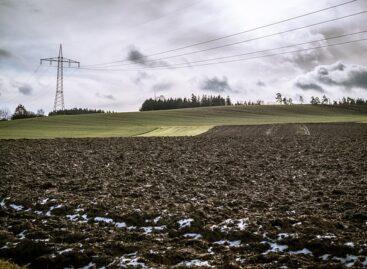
[270, 196]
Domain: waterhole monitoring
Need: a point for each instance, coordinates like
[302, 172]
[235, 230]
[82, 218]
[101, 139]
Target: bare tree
[4, 114]
[279, 98]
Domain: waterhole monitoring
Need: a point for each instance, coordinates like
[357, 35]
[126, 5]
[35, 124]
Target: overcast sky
[95, 32]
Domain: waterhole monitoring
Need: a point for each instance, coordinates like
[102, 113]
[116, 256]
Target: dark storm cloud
[261, 83]
[216, 85]
[135, 56]
[105, 96]
[140, 77]
[4, 53]
[161, 86]
[309, 86]
[25, 89]
[338, 74]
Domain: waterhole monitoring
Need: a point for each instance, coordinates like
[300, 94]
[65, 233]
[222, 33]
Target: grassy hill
[175, 122]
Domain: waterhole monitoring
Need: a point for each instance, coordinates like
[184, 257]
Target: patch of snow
[192, 235]
[194, 263]
[48, 213]
[274, 247]
[16, 207]
[185, 223]
[304, 251]
[84, 217]
[79, 209]
[147, 230]
[160, 228]
[282, 236]
[326, 236]
[349, 260]
[44, 201]
[155, 220]
[131, 260]
[286, 235]
[235, 243]
[2, 203]
[240, 260]
[365, 262]
[73, 217]
[38, 212]
[65, 250]
[21, 235]
[297, 224]
[349, 244]
[131, 228]
[229, 224]
[150, 229]
[210, 250]
[325, 257]
[102, 219]
[120, 225]
[242, 224]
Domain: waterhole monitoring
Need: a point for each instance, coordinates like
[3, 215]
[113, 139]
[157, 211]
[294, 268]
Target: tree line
[75, 111]
[324, 100]
[175, 103]
[22, 113]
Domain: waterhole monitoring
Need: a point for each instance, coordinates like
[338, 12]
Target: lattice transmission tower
[59, 97]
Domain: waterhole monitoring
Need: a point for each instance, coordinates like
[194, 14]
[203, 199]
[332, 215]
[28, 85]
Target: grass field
[175, 122]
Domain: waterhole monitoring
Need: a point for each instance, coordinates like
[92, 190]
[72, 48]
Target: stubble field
[268, 196]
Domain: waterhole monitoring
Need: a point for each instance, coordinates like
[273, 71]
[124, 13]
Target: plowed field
[268, 196]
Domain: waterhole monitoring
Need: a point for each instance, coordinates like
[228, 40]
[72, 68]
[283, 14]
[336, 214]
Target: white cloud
[101, 31]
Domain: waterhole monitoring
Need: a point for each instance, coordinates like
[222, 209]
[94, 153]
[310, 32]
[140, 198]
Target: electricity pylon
[59, 97]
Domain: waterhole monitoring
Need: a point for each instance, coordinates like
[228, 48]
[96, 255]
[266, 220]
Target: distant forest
[75, 111]
[194, 101]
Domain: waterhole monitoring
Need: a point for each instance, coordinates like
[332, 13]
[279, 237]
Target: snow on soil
[274, 247]
[102, 219]
[48, 213]
[349, 244]
[120, 224]
[16, 207]
[326, 236]
[304, 251]
[44, 201]
[348, 261]
[193, 235]
[235, 243]
[21, 235]
[65, 251]
[150, 229]
[73, 217]
[230, 224]
[131, 260]
[185, 223]
[286, 235]
[194, 263]
[2, 203]
[155, 221]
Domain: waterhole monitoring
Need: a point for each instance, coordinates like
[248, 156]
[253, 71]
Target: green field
[175, 122]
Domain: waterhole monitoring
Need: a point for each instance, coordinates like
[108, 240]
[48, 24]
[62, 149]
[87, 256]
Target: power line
[235, 60]
[238, 33]
[265, 50]
[251, 39]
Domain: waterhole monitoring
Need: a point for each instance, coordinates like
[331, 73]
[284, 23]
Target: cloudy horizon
[95, 32]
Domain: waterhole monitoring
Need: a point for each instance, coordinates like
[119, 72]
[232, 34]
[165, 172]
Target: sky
[119, 44]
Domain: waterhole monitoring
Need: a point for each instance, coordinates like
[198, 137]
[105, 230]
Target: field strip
[177, 131]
